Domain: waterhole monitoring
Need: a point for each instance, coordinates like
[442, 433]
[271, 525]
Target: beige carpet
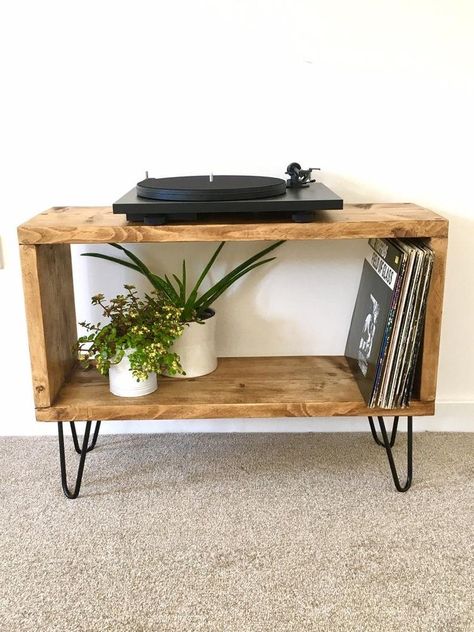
[237, 533]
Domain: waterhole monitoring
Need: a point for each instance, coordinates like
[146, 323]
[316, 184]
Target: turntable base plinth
[298, 204]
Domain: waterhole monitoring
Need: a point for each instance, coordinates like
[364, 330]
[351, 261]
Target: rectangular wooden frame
[247, 387]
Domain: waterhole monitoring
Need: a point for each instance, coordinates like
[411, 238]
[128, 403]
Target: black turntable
[159, 200]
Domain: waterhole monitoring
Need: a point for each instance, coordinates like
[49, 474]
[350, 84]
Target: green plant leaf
[112, 259]
[213, 294]
[228, 279]
[172, 290]
[179, 283]
[189, 306]
[138, 266]
[183, 295]
[138, 262]
[161, 286]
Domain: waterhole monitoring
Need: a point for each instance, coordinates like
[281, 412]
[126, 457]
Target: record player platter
[160, 200]
[207, 188]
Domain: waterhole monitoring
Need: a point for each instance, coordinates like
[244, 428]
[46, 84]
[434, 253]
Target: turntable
[160, 200]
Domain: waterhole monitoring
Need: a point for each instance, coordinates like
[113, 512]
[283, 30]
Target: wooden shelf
[73, 225]
[305, 386]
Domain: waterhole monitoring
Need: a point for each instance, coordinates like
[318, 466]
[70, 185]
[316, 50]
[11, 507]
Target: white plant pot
[123, 383]
[196, 348]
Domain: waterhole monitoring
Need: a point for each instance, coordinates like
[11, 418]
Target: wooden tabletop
[97, 224]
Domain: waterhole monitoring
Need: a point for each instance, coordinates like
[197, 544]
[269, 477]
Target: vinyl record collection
[387, 322]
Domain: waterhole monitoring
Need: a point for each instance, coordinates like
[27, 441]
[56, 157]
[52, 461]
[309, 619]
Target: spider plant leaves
[165, 286]
[112, 259]
[192, 306]
[157, 282]
[138, 262]
[189, 305]
[183, 295]
[245, 266]
[180, 285]
[219, 288]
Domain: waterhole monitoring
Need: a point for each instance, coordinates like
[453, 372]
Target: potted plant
[135, 345]
[196, 345]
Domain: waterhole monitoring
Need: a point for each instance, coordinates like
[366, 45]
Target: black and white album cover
[371, 312]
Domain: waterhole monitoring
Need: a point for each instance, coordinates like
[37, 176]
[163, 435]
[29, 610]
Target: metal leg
[76, 442]
[393, 436]
[388, 444]
[62, 459]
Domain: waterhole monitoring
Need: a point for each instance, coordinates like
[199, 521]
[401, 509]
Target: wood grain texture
[428, 365]
[305, 386]
[49, 303]
[99, 225]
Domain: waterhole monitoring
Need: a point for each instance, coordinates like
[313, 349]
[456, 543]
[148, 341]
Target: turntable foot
[303, 216]
[154, 220]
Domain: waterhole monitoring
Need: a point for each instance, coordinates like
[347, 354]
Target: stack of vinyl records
[387, 324]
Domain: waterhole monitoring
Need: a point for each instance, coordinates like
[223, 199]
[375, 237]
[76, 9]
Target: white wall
[379, 94]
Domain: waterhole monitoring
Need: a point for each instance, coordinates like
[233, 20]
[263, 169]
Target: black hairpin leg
[82, 451]
[388, 445]
[94, 438]
[393, 436]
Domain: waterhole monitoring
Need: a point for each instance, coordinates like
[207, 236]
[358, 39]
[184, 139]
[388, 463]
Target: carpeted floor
[234, 532]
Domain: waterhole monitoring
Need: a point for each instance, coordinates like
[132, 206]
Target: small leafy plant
[193, 306]
[148, 326]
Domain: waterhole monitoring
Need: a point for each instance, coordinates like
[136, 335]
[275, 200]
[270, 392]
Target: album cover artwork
[368, 329]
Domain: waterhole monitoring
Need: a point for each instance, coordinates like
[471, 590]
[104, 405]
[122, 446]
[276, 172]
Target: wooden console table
[240, 387]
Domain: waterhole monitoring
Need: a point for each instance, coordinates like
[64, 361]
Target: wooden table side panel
[50, 311]
[34, 318]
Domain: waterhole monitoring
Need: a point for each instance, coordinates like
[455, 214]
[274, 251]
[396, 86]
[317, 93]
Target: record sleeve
[383, 357]
[398, 372]
[392, 355]
[406, 328]
[407, 377]
[371, 312]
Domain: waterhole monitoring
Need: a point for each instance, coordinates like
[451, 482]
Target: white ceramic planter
[124, 384]
[196, 348]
